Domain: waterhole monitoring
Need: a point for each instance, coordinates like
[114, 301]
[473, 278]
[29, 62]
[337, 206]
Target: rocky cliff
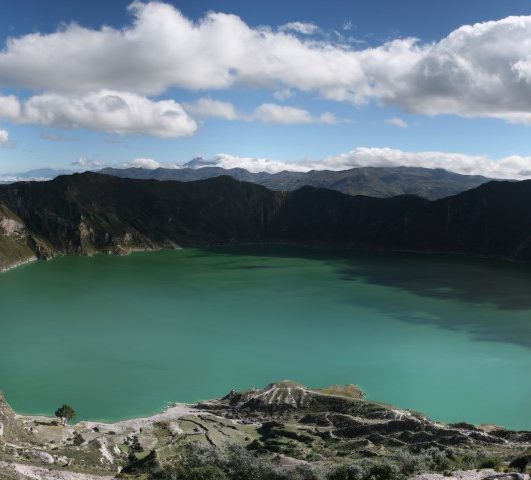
[86, 213]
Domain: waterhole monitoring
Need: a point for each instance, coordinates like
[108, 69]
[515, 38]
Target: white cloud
[273, 113]
[109, 111]
[481, 70]
[329, 119]
[266, 112]
[4, 138]
[147, 163]
[126, 113]
[88, 163]
[207, 107]
[347, 25]
[397, 122]
[306, 28]
[9, 108]
[283, 94]
[511, 167]
[476, 71]
[253, 164]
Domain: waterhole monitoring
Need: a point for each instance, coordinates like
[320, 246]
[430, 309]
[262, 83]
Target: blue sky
[454, 96]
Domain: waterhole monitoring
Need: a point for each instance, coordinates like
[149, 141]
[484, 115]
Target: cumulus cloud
[306, 28]
[147, 163]
[477, 70]
[208, 107]
[163, 49]
[512, 167]
[4, 138]
[126, 113]
[480, 70]
[266, 112]
[109, 111]
[87, 163]
[397, 122]
[515, 167]
[273, 113]
[283, 94]
[252, 164]
[9, 108]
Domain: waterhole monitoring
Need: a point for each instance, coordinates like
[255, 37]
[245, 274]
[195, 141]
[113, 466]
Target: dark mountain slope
[371, 181]
[493, 219]
[89, 212]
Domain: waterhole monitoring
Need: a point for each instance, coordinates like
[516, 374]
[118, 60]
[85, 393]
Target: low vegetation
[206, 463]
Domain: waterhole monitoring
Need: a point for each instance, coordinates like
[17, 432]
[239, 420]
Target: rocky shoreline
[17, 264]
[285, 427]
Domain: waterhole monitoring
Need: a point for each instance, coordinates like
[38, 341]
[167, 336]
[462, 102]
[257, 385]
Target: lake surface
[122, 336]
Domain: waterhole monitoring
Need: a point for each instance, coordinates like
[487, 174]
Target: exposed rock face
[10, 427]
[15, 240]
[43, 457]
[288, 395]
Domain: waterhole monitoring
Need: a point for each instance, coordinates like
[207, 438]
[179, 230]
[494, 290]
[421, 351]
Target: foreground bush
[237, 463]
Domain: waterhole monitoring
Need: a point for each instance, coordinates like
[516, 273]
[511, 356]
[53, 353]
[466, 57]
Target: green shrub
[409, 463]
[78, 439]
[383, 471]
[208, 472]
[491, 461]
[350, 472]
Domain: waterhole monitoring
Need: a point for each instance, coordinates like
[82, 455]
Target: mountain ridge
[370, 181]
[85, 213]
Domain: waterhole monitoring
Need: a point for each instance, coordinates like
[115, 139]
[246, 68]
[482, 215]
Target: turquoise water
[122, 336]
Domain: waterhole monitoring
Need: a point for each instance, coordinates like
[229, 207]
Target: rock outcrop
[15, 240]
[334, 414]
[11, 428]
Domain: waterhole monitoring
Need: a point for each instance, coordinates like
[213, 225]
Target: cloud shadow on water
[489, 299]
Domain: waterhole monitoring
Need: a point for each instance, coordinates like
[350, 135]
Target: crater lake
[119, 337]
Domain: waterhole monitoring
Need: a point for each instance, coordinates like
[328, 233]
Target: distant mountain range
[371, 181]
[85, 213]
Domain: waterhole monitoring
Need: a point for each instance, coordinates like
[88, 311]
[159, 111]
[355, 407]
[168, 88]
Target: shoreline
[281, 425]
[172, 412]
[17, 264]
[302, 247]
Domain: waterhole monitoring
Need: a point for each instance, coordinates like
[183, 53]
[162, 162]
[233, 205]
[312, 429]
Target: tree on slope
[65, 413]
